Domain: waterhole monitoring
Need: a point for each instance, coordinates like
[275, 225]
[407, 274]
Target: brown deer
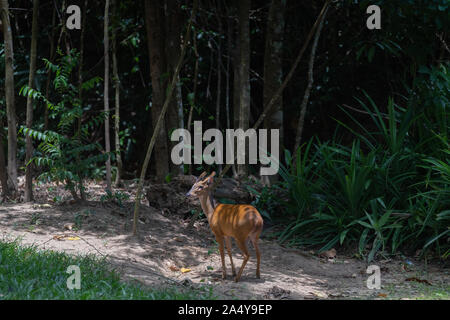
[240, 221]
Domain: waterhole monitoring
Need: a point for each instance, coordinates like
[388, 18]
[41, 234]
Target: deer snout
[188, 194]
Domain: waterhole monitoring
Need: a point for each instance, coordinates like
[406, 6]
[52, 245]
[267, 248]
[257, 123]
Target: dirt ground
[166, 244]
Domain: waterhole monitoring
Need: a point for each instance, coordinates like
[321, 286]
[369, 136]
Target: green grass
[419, 291]
[29, 273]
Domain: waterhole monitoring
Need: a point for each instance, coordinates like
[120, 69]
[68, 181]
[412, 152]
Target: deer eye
[200, 188]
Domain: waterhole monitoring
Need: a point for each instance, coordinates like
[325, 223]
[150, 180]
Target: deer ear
[210, 178]
[201, 176]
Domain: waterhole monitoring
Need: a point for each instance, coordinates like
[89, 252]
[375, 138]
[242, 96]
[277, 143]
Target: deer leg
[222, 256]
[254, 240]
[243, 246]
[228, 244]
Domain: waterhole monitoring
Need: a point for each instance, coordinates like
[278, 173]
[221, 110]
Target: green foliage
[66, 154]
[389, 190]
[117, 197]
[265, 201]
[29, 273]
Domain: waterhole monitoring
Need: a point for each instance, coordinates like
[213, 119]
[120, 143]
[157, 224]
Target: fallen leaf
[73, 238]
[330, 254]
[173, 268]
[184, 270]
[56, 237]
[382, 295]
[320, 294]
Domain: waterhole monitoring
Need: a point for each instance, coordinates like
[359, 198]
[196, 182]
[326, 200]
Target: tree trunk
[228, 71]
[80, 92]
[49, 72]
[304, 104]
[236, 79]
[29, 120]
[156, 53]
[106, 97]
[9, 93]
[173, 49]
[117, 96]
[219, 76]
[160, 120]
[286, 80]
[3, 176]
[80, 64]
[273, 71]
[194, 91]
[244, 65]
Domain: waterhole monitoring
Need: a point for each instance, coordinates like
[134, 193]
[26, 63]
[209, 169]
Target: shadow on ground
[166, 244]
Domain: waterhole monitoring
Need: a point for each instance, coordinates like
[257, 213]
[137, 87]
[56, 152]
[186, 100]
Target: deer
[239, 221]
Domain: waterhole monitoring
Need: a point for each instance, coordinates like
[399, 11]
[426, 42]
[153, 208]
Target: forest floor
[166, 244]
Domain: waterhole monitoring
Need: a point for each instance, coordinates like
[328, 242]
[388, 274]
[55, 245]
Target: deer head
[202, 185]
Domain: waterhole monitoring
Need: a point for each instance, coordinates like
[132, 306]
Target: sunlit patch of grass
[419, 291]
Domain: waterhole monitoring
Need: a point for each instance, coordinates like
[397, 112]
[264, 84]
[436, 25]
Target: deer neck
[208, 205]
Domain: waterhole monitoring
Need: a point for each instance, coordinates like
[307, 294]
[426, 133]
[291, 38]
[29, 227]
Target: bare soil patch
[166, 244]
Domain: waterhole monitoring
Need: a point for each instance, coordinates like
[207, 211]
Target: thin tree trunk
[62, 21]
[194, 92]
[80, 90]
[155, 42]
[219, 77]
[272, 101]
[117, 96]
[49, 72]
[172, 47]
[29, 120]
[227, 101]
[304, 104]
[244, 66]
[273, 71]
[3, 176]
[171, 87]
[106, 97]
[236, 81]
[80, 65]
[9, 93]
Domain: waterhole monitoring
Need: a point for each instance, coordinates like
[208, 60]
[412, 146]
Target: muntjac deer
[240, 221]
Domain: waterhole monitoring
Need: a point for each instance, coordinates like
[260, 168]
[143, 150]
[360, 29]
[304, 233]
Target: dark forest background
[363, 119]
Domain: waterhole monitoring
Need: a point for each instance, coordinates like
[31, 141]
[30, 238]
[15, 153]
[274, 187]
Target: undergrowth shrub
[388, 191]
[67, 153]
